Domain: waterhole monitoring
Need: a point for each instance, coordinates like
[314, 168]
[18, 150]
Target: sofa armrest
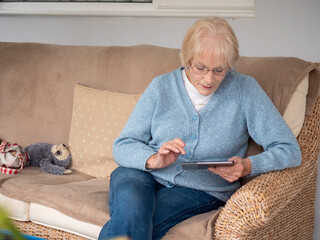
[266, 198]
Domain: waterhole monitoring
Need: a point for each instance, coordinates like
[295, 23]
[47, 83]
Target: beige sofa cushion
[199, 227]
[296, 109]
[77, 195]
[98, 117]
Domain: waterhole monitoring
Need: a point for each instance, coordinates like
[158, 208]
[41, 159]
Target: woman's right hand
[168, 153]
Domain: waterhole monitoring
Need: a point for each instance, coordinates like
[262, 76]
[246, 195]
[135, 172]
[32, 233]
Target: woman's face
[204, 75]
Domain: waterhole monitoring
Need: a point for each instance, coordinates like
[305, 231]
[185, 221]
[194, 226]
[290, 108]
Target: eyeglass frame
[214, 71]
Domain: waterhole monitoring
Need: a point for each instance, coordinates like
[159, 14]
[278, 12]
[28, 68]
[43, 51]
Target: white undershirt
[198, 100]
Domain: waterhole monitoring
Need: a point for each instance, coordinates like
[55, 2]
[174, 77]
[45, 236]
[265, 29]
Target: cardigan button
[194, 117]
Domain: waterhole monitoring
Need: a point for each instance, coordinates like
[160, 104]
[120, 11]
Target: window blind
[130, 8]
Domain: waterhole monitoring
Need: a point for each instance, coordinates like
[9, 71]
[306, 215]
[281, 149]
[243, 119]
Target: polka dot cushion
[98, 118]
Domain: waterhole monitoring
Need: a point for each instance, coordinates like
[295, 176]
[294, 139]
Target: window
[145, 8]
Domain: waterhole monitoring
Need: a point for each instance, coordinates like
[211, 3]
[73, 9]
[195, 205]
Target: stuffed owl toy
[53, 159]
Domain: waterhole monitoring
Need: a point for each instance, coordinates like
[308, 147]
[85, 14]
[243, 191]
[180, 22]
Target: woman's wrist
[150, 162]
[247, 167]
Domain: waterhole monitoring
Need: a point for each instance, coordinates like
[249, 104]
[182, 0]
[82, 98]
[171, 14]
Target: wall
[280, 28]
[286, 28]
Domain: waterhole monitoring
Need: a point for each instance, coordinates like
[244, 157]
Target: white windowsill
[121, 9]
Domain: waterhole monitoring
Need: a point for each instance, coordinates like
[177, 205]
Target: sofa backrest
[37, 82]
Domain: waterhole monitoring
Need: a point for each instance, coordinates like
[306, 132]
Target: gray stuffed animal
[53, 159]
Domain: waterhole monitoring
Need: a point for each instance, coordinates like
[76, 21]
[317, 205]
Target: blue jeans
[143, 209]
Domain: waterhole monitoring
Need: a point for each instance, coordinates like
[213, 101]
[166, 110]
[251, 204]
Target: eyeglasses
[218, 71]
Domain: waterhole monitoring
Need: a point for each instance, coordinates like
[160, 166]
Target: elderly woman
[203, 111]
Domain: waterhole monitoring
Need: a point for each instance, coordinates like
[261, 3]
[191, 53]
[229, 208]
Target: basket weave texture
[44, 232]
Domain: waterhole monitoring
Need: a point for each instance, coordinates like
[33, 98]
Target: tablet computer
[205, 164]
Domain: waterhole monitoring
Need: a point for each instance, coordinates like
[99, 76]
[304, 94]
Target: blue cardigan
[238, 109]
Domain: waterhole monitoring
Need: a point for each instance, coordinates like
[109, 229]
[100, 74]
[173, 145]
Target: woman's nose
[210, 77]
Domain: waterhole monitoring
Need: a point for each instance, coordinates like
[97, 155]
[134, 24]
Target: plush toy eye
[58, 153]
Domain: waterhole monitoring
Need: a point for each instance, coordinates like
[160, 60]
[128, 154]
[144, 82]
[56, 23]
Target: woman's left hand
[241, 168]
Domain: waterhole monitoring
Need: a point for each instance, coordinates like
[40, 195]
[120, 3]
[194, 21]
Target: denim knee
[132, 203]
[130, 185]
[123, 175]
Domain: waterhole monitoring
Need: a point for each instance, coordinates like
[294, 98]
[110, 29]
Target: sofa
[81, 96]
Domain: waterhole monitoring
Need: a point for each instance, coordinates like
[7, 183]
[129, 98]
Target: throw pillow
[296, 109]
[98, 118]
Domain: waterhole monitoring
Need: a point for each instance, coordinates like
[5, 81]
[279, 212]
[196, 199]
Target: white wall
[286, 28]
[280, 28]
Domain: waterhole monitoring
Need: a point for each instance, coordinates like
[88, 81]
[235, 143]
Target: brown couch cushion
[84, 197]
[199, 227]
[37, 82]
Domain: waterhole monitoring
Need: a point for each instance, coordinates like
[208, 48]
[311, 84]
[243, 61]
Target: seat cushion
[84, 198]
[52, 218]
[197, 227]
[16, 209]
